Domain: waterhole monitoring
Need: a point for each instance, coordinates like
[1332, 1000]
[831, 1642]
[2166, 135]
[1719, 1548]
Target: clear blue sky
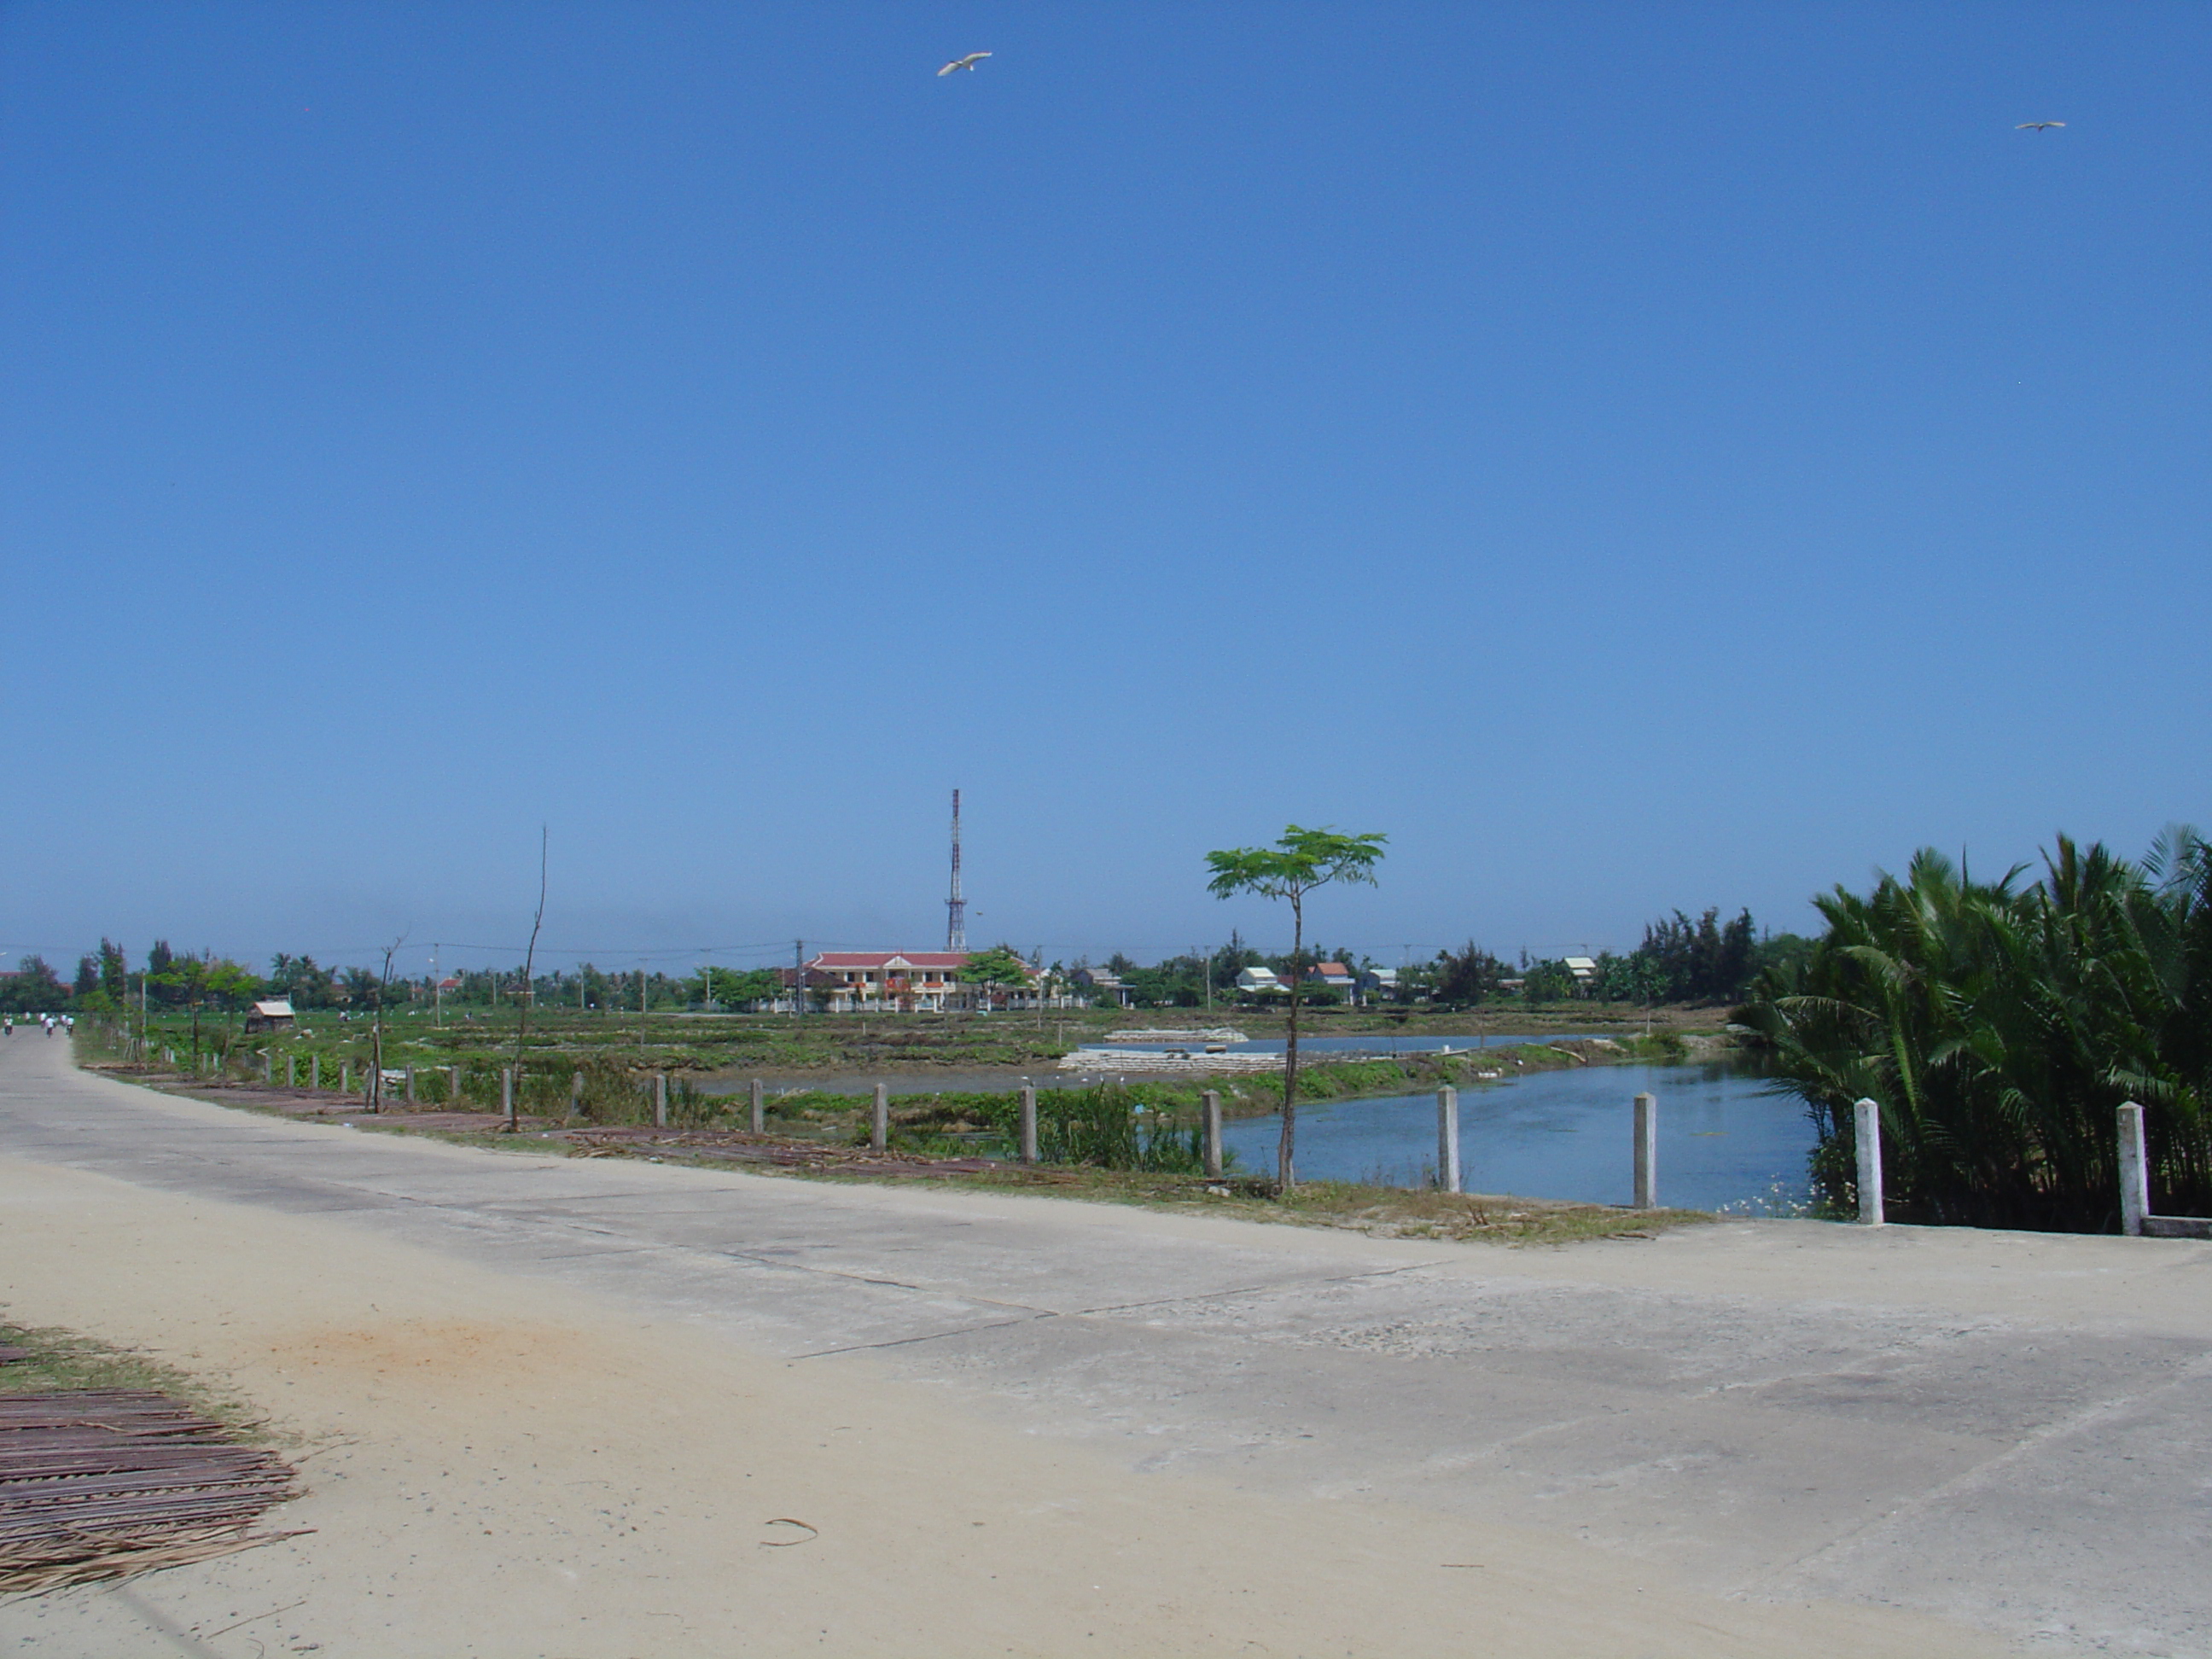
[1635, 455]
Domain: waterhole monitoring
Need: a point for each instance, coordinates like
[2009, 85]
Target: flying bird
[2039, 126]
[967, 62]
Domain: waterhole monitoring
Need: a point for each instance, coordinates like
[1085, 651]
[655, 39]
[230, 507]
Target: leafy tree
[34, 988]
[1471, 975]
[159, 961]
[1000, 965]
[1300, 861]
[88, 976]
[199, 981]
[1704, 961]
[114, 969]
[732, 989]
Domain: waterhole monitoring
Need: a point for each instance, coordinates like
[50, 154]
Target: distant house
[1378, 985]
[270, 1014]
[1334, 977]
[1584, 970]
[1259, 983]
[1103, 982]
[892, 981]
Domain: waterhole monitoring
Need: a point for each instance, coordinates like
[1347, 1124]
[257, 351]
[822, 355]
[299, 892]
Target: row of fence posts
[1645, 1140]
[2136, 1217]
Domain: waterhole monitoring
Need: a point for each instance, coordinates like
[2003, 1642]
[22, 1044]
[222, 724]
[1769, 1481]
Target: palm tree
[1998, 1025]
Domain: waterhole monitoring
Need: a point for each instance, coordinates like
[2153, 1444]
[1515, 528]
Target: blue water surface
[1725, 1139]
[1371, 1043]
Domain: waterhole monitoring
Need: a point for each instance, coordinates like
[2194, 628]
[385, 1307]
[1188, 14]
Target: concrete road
[2008, 1431]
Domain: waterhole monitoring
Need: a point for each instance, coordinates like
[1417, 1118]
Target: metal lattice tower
[955, 908]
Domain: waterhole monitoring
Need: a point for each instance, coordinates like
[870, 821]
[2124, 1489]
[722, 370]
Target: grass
[60, 1360]
[1379, 1211]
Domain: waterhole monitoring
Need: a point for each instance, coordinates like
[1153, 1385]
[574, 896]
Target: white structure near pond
[1259, 981]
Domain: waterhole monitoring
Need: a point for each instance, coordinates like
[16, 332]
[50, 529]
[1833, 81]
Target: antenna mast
[955, 908]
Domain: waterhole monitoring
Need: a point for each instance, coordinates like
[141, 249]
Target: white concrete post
[1866, 1132]
[2134, 1171]
[1647, 1153]
[575, 1094]
[410, 1096]
[507, 1094]
[1211, 1101]
[760, 1108]
[1029, 1124]
[453, 1086]
[880, 1122]
[660, 1100]
[345, 1077]
[291, 1071]
[268, 1066]
[1448, 1174]
[315, 1073]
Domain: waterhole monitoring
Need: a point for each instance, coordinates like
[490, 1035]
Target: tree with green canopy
[1000, 965]
[199, 980]
[1299, 862]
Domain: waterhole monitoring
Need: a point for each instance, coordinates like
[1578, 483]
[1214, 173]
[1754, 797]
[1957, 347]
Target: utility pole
[437, 992]
[798, 978]
[955, 907]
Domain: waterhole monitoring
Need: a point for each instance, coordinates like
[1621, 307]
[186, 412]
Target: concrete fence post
[1029, 1124]
[2134, 1171]
[507, 1094]
[760, 1107]
[1647, 1153]
[1210, 1104]
[575, 1094]
[1448, 1174]
[1866, 1132]
[291, 1071]
[453, 1086]
[660, 1100]
[345, 1077]
[268, 1067]
[408, 1096]
[315, 1073]
[880, 1122]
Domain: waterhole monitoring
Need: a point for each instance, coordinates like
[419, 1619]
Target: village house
[270, 1014]
[1259, 983]
[1336, 977]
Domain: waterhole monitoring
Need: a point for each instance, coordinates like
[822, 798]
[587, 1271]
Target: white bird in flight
[967, 62]
[2039, 126]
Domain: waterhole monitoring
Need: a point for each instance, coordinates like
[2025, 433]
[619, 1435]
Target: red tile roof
[947, 960]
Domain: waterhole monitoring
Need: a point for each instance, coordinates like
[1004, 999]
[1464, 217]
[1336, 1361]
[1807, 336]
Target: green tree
[1000, 965]
[1300, 861]
[1998, 1026]
[199, 981]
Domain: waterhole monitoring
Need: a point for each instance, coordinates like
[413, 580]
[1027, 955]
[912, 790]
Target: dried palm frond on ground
[101, 1482]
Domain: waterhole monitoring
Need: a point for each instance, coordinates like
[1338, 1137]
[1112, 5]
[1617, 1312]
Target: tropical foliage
[1998, 1025]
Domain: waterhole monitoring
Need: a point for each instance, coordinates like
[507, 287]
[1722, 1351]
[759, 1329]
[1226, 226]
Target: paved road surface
[2008, 1431]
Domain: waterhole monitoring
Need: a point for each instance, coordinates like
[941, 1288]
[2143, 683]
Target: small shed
[270, 1014]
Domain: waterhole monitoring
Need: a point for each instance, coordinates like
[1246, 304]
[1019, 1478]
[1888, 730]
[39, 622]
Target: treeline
[1999, 1025]
[104, 981]
[1680, 960]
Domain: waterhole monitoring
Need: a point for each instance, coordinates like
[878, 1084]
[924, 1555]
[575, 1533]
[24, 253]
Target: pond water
[1372, 1043]
[1725, 1139]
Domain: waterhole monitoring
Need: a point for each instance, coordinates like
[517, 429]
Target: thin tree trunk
[1285, 1170]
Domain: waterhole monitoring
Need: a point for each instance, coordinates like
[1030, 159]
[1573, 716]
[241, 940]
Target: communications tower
[955, 908]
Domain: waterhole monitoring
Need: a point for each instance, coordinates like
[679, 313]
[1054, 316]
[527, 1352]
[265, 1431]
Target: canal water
[1726, 1140]
[1371, 1043]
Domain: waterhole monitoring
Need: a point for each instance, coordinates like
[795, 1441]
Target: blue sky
[1636, 456]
